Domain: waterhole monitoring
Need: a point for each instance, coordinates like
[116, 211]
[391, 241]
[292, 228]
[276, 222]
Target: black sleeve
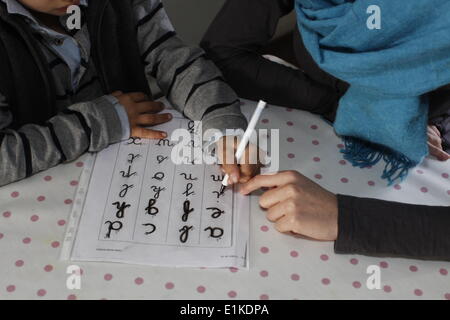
[235, 41]
[383, 228]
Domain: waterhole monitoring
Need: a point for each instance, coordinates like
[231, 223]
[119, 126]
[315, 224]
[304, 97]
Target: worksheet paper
[141, 208]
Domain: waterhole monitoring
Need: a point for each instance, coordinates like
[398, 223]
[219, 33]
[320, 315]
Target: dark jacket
[236, 40]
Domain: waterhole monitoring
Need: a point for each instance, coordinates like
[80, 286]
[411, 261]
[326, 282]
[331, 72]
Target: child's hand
[435, 144]
[143, 113]
[248, 166]
[297, 204]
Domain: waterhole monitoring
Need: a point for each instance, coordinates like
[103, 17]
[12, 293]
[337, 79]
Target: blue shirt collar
[15, 7]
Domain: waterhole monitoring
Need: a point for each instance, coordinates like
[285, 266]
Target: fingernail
[234, 178]
[164, 135]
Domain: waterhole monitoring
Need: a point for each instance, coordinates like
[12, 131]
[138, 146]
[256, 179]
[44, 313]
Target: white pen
[243, 144]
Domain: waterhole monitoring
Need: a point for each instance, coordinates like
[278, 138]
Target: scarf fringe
[364, 154]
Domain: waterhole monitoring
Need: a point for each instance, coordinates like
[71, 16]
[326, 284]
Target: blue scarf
[383, 115]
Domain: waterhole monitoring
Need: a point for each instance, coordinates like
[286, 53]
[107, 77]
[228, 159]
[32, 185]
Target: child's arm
[88, 126]
[190, 81]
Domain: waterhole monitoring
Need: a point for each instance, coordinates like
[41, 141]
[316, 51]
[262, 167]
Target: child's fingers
[153, 119]
[440, 154]
[117, 94]
[138, 96]
[435, 130]
[232, 170]
[150, 107]
[147, 133]
[248, 171]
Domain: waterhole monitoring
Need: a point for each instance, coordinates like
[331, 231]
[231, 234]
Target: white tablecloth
[34, 212]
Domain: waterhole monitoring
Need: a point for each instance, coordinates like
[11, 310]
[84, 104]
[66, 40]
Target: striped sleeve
[189, 80]
[88, 126]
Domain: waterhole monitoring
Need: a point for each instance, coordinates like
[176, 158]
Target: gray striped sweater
[89, 120]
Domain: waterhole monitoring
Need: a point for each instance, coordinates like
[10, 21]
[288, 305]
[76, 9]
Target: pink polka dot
[19, 263]
[289, 109]
[315, 142]
[418, 292]
[73, 183]
[264, 297]
[138, 281]
[48, 178]
[387, 289]
[324, 257]
[41, 292]
[295, 277]
[445, 175]
[340, 146]
[108, 277]
[326, 281]
[371, 183]
[68, 201]
[7, 214]
[264, 273]
[318, 176]
[384, 264]
[26, 240]
[356, 284]
[71, 297]
[265, 120]
[419, 171]
[443, 271]
[61, 222]
[232, 294]
[397, 187]
[11, 288]
[314, 127]
[48, 268]
[55, 244]
[264, 250]
[233, 269]
[344, 180]
[342, 162]
[169, 285]
[264, 228]
[79, 164]
[447, 296]
[290, 139]
[201, 289]
[294, 254]
[290, 123]
[424, 189]
[15, 194]
[291, 156]
[413, 268]
[34, 218]
[1, 235]
[354, 261]
[41, 198]
[316, 159]
[448, 192]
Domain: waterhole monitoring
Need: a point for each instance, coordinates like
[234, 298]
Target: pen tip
[222, 189]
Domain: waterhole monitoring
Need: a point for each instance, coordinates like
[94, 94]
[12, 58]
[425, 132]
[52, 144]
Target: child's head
[53, 7]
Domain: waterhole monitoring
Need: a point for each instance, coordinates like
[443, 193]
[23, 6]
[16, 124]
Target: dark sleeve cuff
[383, 228]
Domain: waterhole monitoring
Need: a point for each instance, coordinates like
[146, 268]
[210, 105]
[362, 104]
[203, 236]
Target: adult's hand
[297, 204]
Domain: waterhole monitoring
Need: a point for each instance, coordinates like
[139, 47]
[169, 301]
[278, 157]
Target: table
[33, 218]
